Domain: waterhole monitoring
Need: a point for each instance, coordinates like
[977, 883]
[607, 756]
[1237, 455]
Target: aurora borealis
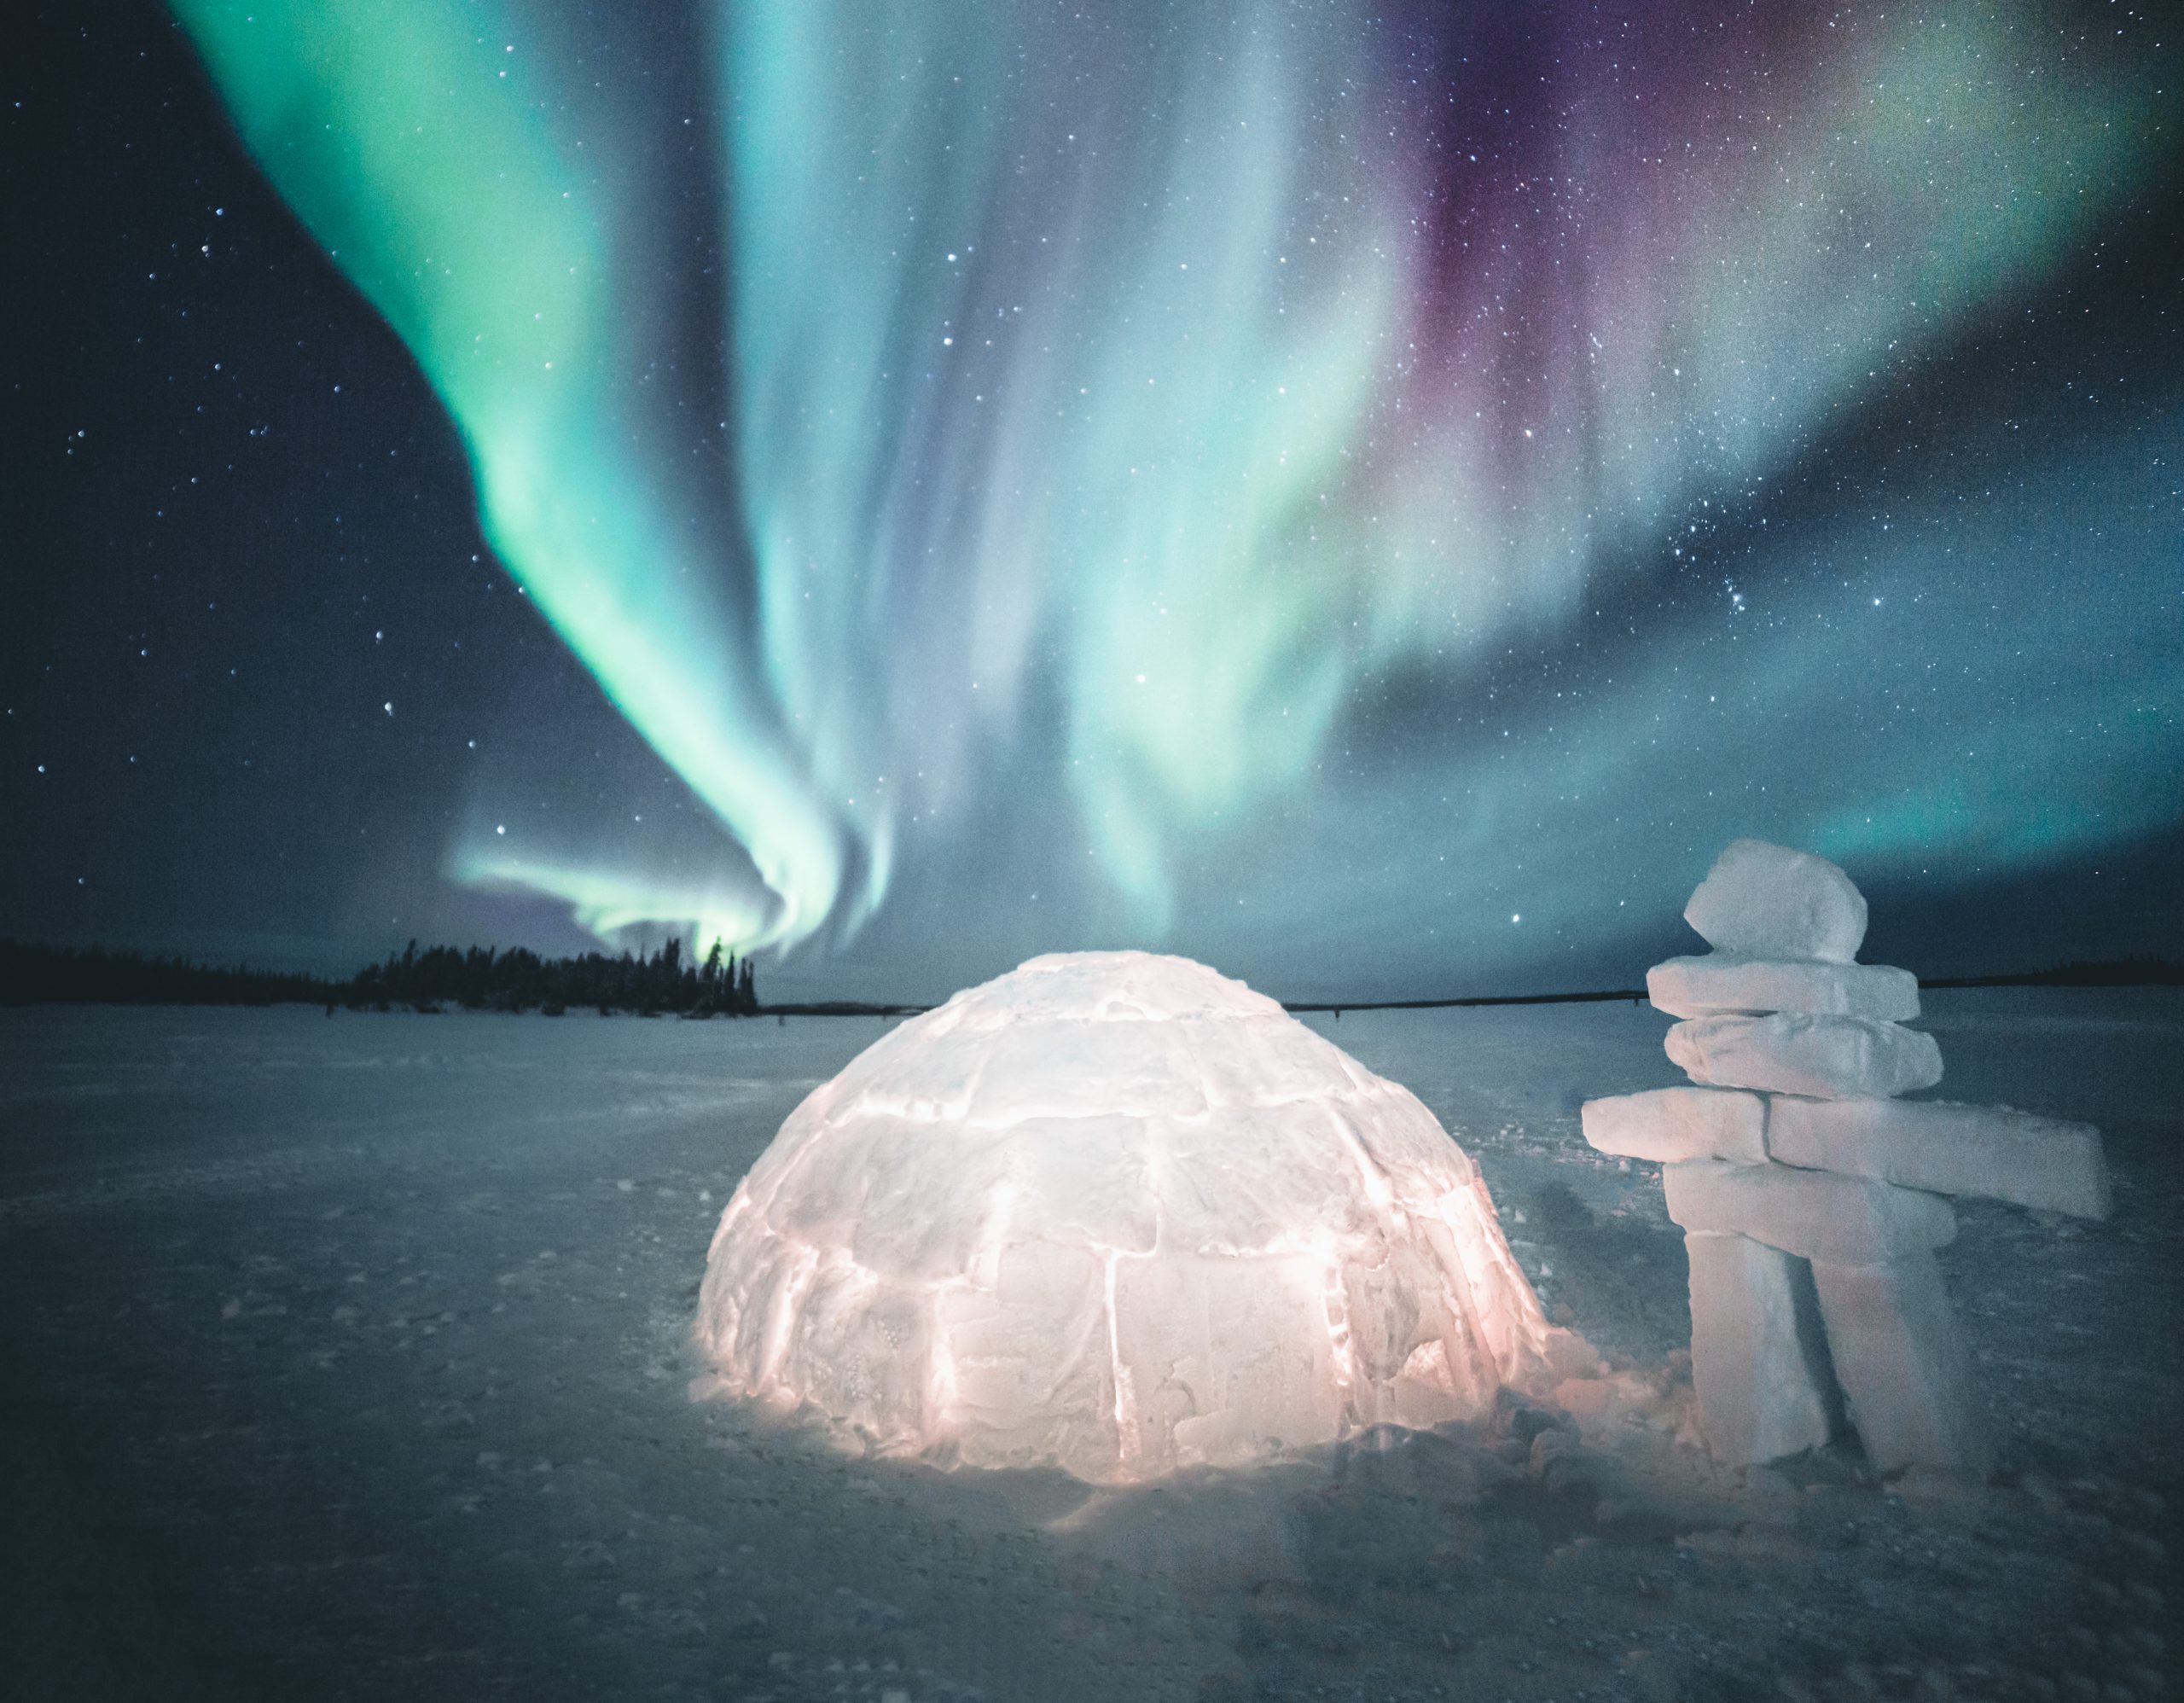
[1356, 495]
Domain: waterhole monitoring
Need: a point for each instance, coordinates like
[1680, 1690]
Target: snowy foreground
[351, 1358]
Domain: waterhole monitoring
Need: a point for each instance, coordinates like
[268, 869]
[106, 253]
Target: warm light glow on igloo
[1117, 1213]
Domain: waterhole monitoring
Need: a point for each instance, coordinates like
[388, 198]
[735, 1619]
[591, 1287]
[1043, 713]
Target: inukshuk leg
[1893, 1337]
[1761, 1392]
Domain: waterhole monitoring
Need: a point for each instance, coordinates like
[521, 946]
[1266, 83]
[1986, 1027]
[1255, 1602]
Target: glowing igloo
[1118, 1214]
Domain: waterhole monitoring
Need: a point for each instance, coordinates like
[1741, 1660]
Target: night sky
[1371, 497]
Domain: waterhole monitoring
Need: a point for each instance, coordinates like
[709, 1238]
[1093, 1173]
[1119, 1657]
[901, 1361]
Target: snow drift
[1115, 1213]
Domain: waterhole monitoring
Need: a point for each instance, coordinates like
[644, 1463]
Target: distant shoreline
[2106, 973]
[519, 982]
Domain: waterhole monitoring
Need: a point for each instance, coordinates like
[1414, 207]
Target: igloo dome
[1117, 1213]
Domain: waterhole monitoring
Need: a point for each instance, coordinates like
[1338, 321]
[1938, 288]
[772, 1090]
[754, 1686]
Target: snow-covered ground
[349, 1357]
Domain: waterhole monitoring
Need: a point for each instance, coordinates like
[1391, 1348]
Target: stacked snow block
[1809, 1195]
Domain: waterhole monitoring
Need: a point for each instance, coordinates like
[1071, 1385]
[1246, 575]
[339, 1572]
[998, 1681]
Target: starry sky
[1370, 496]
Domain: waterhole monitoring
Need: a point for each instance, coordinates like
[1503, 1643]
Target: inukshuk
[1811, 1197]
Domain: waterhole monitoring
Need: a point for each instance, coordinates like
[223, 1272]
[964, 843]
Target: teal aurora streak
[1105, 399]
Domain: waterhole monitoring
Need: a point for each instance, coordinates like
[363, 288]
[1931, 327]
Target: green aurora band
[415, 151]
[1113, 373]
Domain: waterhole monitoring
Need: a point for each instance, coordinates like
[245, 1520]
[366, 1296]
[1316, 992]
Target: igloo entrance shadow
[1117, 1213]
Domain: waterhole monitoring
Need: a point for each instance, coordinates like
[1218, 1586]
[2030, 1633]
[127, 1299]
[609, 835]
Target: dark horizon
[33, 973]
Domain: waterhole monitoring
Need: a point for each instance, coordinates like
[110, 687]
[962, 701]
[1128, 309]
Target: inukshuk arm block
[1988, 1151]
[1666, 1124]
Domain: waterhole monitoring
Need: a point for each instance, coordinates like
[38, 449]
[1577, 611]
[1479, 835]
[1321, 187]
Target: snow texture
[1766, 901]
[1715, 983]
[1115, 1213]
[1827, 1058]
[347, 1359]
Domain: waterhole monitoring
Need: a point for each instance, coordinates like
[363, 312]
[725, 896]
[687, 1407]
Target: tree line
[480, 979]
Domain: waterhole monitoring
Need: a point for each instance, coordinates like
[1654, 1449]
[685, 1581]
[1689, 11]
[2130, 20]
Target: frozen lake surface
[348, 1359]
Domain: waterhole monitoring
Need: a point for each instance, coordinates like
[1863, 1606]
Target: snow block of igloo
[1766, 901]
[1665, 1125]
[1847, 1220]
[1828, 1058]
[1757, 1363]
[1900, 1361]
[1987, 1151]
[1715, 983]
[1117, 1213]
